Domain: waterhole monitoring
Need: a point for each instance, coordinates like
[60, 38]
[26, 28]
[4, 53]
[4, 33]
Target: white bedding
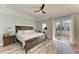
[25, 36]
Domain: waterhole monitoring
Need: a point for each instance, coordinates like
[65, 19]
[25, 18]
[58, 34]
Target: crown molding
[17, 14]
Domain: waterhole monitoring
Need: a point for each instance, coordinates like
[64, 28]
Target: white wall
[7, 20]
[48, 24]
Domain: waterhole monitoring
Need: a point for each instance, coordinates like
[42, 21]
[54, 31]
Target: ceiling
[53, 10]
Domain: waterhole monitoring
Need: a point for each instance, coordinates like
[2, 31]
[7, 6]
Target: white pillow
[20, 32]
[29, 31]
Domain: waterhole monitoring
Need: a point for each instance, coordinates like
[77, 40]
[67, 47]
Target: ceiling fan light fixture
[40, 11]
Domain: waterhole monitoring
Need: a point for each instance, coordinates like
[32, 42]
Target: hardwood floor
[46, 47]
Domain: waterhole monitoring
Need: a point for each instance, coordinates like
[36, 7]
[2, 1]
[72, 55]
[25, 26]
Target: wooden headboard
[23, 28]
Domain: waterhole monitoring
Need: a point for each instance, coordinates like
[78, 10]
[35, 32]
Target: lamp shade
[9, 29]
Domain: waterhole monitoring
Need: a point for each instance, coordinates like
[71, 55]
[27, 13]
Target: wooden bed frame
[31, 42]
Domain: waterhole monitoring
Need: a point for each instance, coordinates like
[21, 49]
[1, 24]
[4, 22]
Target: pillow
[20, 32]
[32, 31]
[25, 32]
[29, 31]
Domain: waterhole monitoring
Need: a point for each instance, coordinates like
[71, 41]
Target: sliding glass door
[62, 29]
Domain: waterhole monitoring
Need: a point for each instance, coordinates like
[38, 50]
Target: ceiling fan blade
[43, 12]
[41, 8]
[37, 11]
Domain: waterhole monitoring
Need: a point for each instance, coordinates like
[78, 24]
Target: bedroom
[24, 15]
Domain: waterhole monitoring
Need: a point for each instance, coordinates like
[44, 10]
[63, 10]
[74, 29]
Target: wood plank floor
[46, 47]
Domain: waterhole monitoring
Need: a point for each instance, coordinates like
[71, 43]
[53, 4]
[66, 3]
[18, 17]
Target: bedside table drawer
[9, 40]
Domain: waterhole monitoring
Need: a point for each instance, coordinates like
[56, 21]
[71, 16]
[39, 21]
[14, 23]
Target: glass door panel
[63, 29]
[58, 32]
[66, 29]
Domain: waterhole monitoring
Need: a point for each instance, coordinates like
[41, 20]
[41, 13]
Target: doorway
[63, 29]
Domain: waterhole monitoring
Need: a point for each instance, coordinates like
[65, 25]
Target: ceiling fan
[41, 9]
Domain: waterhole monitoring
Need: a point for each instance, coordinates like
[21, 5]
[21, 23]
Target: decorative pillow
[29, 31]
[20, 32]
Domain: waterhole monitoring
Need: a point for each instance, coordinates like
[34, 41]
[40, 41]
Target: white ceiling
[51, 9]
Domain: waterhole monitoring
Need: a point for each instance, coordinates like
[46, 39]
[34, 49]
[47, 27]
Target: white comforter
[24, 37]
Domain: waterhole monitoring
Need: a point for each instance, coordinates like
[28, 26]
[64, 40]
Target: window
[43, 26]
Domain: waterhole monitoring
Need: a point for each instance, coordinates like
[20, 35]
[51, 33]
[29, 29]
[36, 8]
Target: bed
[27, 37]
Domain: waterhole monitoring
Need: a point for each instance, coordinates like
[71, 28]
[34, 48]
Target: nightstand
[7, 40]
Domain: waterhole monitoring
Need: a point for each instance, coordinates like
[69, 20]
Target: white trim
[72, 30]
